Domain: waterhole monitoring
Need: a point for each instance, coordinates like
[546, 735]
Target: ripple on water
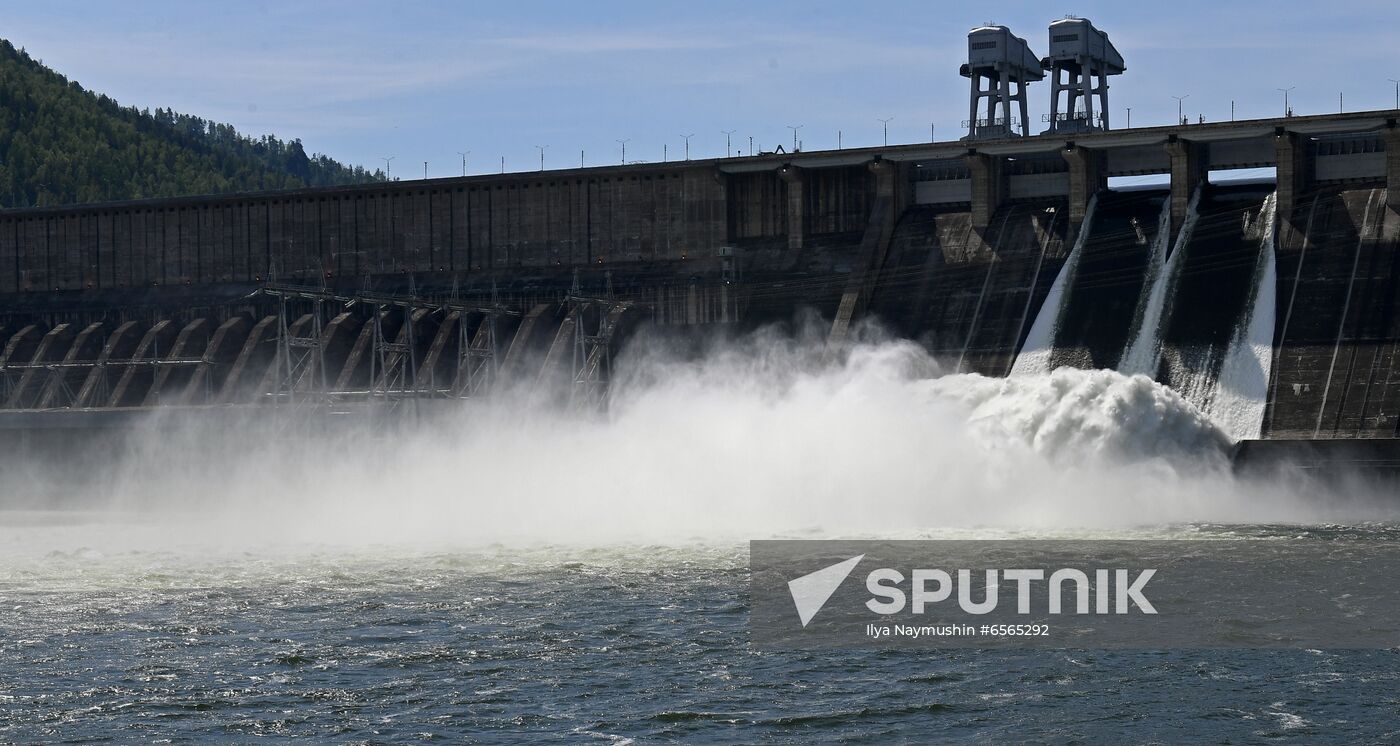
[609, 644]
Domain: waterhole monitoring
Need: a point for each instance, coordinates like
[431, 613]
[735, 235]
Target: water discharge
[1144, 349]
[1039, 347]
[1241, 389]
[757, 437]
[1232, 394]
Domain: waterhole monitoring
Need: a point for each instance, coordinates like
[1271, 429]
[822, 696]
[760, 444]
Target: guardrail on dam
[257, 297]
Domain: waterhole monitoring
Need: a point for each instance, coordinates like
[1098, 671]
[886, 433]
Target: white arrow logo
[811, 591]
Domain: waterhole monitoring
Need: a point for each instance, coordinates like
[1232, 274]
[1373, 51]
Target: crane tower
[997, 58]
[1080, 61]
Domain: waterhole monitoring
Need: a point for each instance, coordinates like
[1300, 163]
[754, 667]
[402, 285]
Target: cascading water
[1035, 355]
[1144, 348]
[737, 443]
[1225, 377]
[1229, 382]
[1241, 389]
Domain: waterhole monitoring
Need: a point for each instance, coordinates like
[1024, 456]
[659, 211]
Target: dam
[1271, 304]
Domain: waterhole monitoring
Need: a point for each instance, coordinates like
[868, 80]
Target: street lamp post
[541, 148]
[464, 154]
[687, 144]
[623, 143]
[727, 135]
[1180, 119]
[1287, 112]
[794, 135]
[1397, 91]
[425, 170]
[386, 160]
[886, 123]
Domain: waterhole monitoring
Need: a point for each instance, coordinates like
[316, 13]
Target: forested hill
[61, 144]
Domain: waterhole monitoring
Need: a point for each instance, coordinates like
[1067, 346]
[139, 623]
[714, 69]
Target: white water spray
[1241, 391]
[765, 436]
[1144, 349]
[1035, 355]
[1073, 416]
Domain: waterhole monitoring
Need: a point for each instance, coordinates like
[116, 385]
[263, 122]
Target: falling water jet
[1144, 347]
[1039, 346]
[1241, 389]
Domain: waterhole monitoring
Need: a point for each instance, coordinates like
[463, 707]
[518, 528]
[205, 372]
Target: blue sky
[423, 80]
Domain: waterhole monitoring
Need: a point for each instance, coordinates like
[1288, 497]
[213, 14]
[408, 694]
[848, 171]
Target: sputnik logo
[811, 591]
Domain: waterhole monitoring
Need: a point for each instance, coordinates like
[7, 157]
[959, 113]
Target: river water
[526, 578]
[570, 644]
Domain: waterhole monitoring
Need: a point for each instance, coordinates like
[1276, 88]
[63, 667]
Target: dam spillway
[444, 288]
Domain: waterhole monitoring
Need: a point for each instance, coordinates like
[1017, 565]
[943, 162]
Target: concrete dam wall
[1272, 306]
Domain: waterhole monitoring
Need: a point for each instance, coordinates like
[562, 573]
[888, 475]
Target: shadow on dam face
[1339, 320]
[1212, 294]
[968, 295]
[1342, 465]
[1109, 280]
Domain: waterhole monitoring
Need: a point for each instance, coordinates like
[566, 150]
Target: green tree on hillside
[61, 144]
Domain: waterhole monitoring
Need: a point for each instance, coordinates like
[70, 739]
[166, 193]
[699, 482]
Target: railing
[1077, 116]
[1012, 123]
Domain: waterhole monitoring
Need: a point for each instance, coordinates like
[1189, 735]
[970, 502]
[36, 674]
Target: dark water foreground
[635, 644]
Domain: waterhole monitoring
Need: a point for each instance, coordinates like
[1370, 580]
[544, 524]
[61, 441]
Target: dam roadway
[447, 287]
